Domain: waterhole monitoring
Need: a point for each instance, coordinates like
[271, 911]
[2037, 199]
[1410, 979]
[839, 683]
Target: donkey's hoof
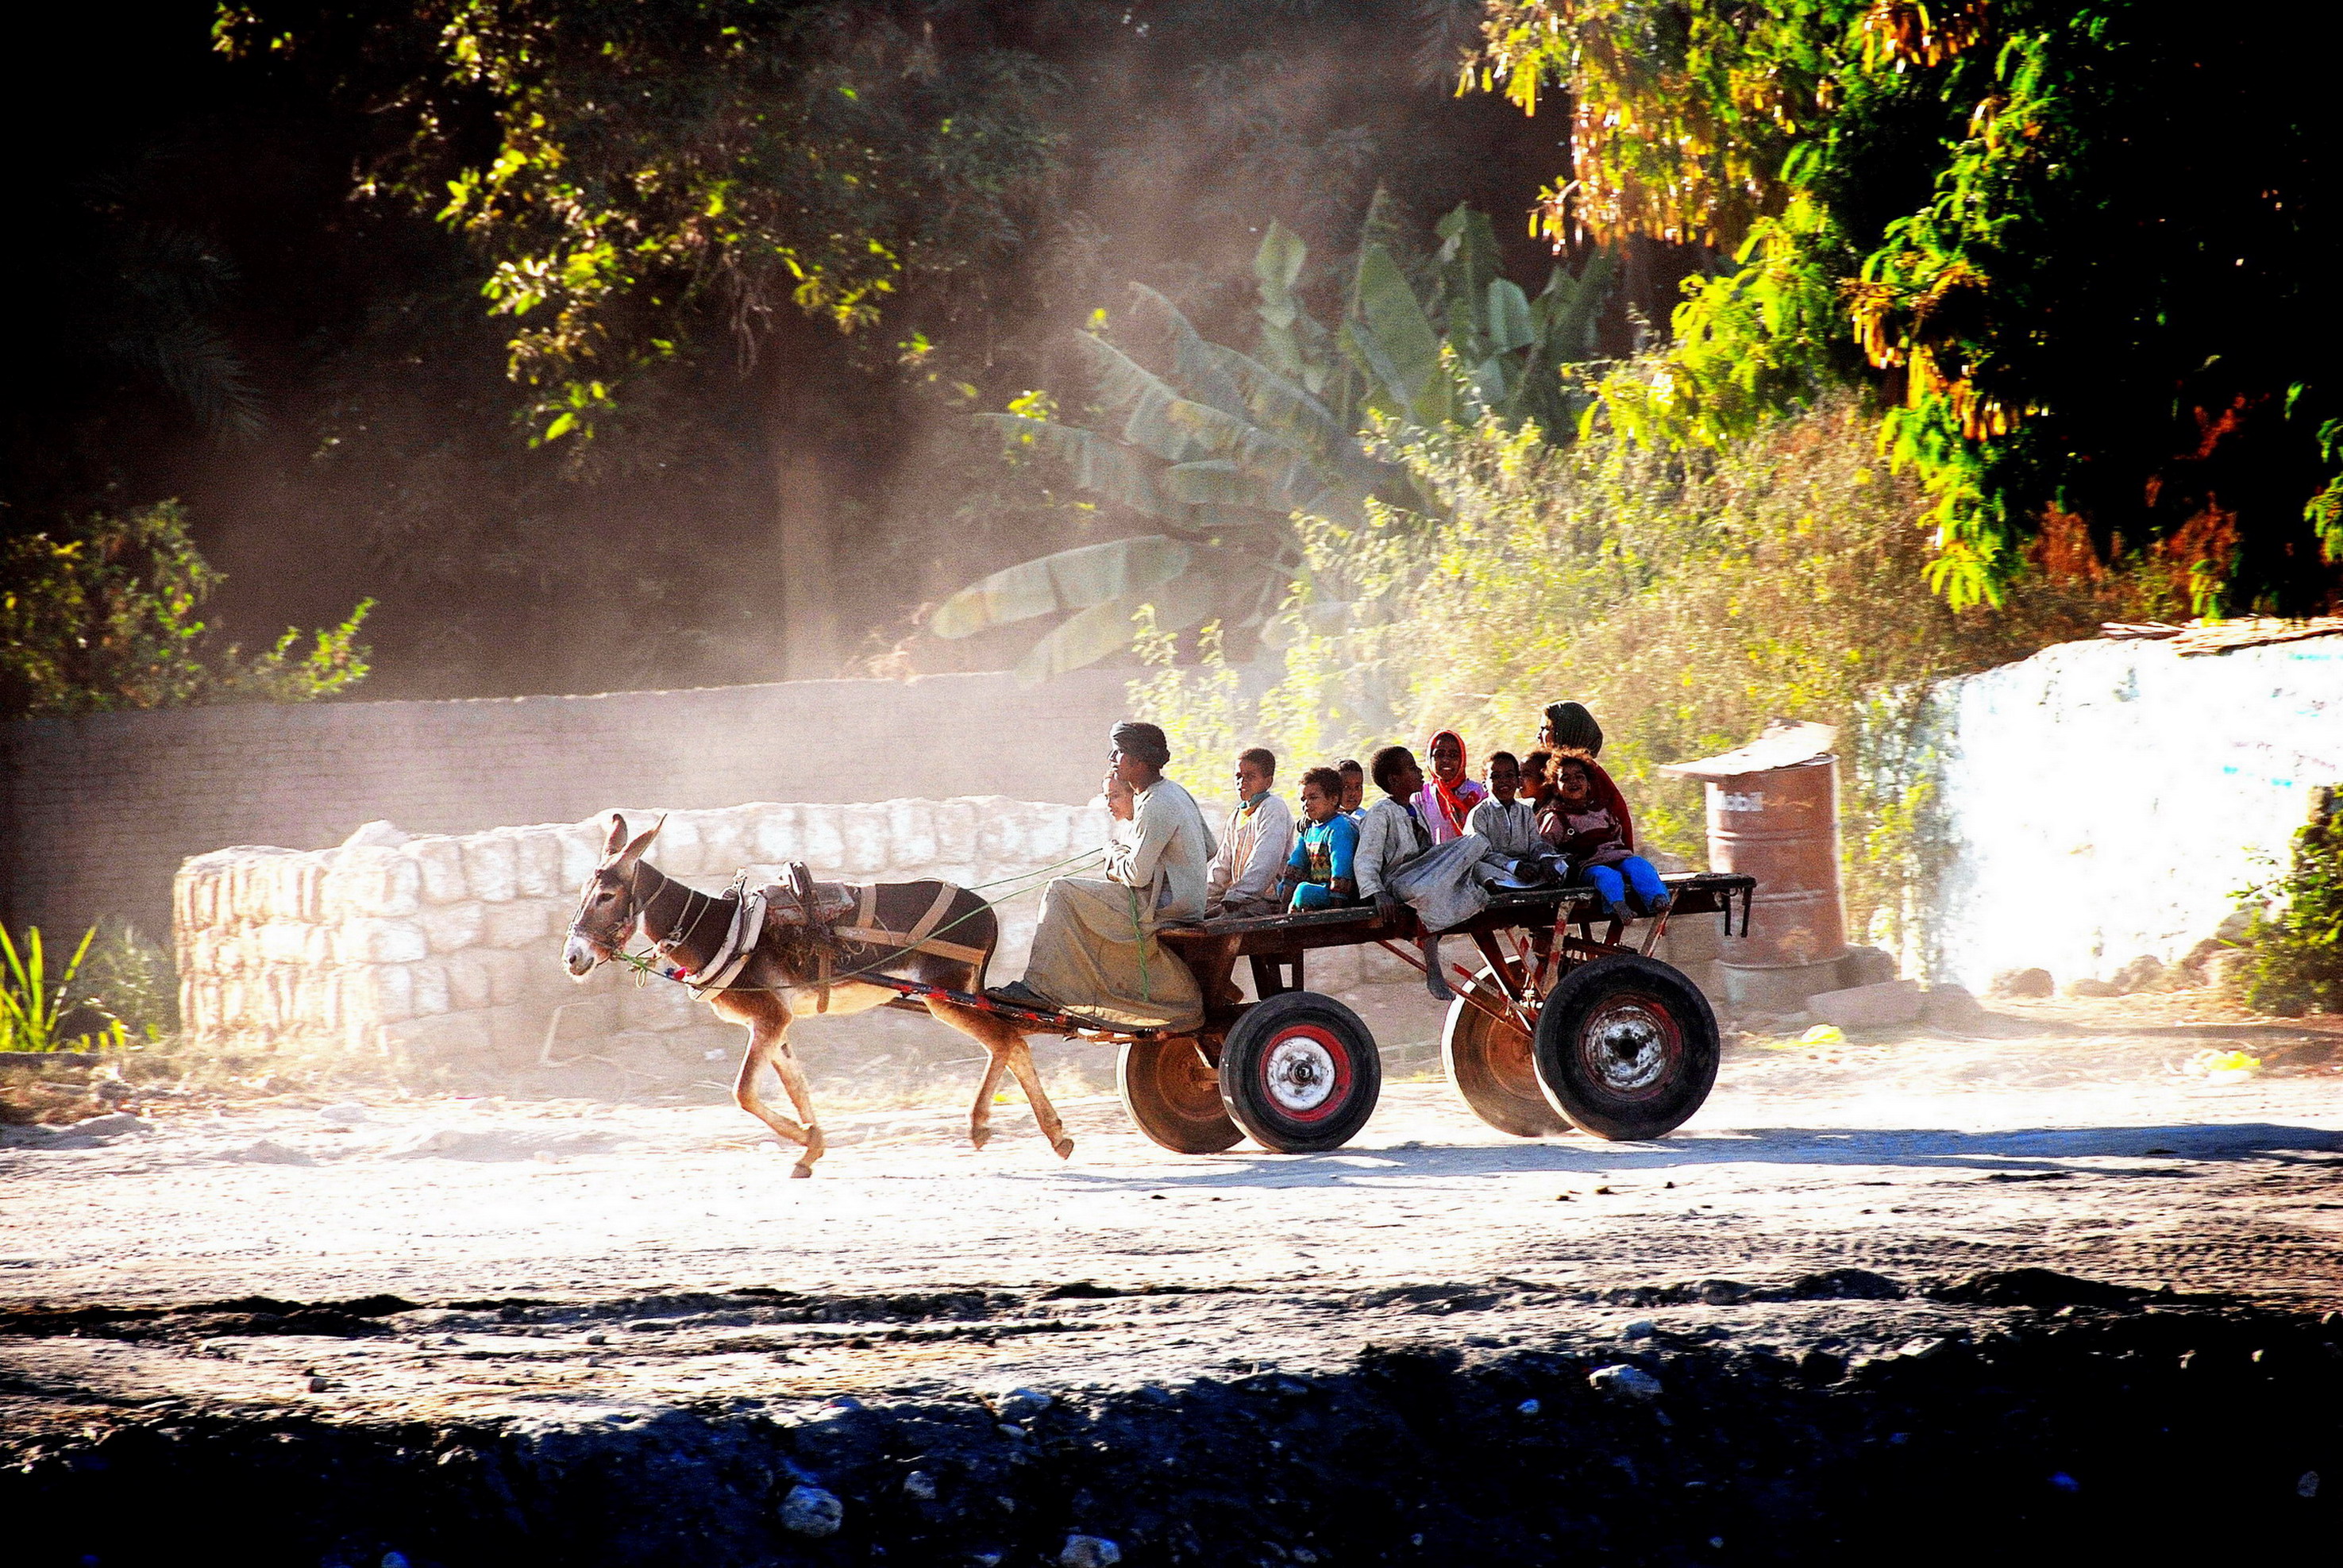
[978, 1136]
[1065, 1148]
[801, 1169]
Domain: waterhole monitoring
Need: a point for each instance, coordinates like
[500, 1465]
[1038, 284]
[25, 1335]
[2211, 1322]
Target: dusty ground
[575, 1257]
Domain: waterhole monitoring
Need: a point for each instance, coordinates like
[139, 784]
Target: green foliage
[2083, 248]
[134, 982]
[35, 1005]
[1234, 456]
[2297, 939]
[648, 162]
[103, 616]
[1687, 597]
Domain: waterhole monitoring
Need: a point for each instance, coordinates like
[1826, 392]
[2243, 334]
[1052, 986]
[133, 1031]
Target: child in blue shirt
[1318, 872]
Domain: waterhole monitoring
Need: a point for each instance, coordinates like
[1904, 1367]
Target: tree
[103, 617]
[2081, 248]
[626, 169]
[1222, 451]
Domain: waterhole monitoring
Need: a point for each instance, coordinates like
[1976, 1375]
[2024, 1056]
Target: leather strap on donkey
[798, 888]
[739, 946]
[918, 938]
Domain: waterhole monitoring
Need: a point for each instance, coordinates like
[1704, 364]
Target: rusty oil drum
[1781, 827]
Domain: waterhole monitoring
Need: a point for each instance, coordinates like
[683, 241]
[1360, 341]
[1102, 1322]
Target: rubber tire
[1493, 1068]
[1338, 1032]
[1173, 1097]
[1686, 1070]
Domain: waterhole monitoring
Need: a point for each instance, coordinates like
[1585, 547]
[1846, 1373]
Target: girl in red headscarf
[1449, 795]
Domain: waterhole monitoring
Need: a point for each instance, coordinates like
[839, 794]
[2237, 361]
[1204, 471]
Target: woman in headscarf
[1448, 796]
[1570, 731]
[1095, 952]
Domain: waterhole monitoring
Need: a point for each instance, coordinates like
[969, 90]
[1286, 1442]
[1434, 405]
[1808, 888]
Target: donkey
[941, 936]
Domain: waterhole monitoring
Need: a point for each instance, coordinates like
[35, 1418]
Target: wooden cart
[1555, 1028]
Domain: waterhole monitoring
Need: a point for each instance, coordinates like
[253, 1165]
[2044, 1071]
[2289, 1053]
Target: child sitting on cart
[1319, 875]
[1582, 827]
[1510, 824]
[1445, 884]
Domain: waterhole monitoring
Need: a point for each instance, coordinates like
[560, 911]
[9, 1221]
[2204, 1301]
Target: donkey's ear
[618, 836]
[643, 840]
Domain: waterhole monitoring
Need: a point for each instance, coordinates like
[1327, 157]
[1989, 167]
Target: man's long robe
[1095, 953]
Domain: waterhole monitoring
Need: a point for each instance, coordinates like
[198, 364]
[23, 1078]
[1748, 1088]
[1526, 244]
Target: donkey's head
[607, 905]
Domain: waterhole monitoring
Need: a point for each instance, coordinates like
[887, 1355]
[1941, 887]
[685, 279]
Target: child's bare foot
[1432, 980]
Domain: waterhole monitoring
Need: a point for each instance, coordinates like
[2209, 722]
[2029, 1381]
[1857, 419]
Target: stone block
[370, 882]
[285, 942]
[518, 923]
[441, 862]
[491, 868]
[863, 829]
[581, 851]
[432, 993]
[777, 835]
[958, 831]
[724, 843]
[1774, 989]
[536, 864]
[380, 941]
[451, 928]
[678, 850]
[516, 1032]
[2091, 987]
[1951, 1007]
[1880, 1006]
[1001, 835]
[376, 993]
[1050, 835]
[507, 974]
[446, 1038]
[2024, 983]
[912, 834]
[467, 981]
[1859, 967]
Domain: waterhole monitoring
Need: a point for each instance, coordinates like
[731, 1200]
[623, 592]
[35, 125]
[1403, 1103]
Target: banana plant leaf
[1511, 325]
[1108, 468]
[1396, 337]
[1468, 264]
[1105, 629]
[1076, 579]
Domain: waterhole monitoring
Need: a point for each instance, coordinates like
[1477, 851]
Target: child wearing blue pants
[1319, 871]
[1582, 828]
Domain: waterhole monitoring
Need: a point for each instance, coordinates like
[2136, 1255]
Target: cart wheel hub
[1626, 1044]
[1302, 1072]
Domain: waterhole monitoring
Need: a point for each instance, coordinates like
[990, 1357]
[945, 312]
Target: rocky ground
[2053, 1258]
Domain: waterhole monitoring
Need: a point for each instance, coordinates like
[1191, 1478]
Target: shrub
[102, 615]
[36, 1012]
[1686, 597]
[2297, 939]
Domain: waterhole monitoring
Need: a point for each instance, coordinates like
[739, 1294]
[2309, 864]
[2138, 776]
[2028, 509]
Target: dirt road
[658, 1254]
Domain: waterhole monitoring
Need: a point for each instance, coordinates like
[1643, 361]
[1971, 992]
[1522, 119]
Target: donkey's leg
[1007, 1050]
[1020, 1062]
[979, 1115]
[767, 1022]
[979, 1028]
[793, 1079]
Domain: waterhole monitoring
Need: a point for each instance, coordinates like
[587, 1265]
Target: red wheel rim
[1631, 1047]
[1304, 1072]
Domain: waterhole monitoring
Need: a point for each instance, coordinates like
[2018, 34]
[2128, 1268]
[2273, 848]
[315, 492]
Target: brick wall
[97, 814]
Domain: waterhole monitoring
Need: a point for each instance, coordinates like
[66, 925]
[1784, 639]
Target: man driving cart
[1095, 953]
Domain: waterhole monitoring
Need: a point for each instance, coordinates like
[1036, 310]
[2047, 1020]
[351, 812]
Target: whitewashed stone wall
[2105, 799]
[443, 952]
